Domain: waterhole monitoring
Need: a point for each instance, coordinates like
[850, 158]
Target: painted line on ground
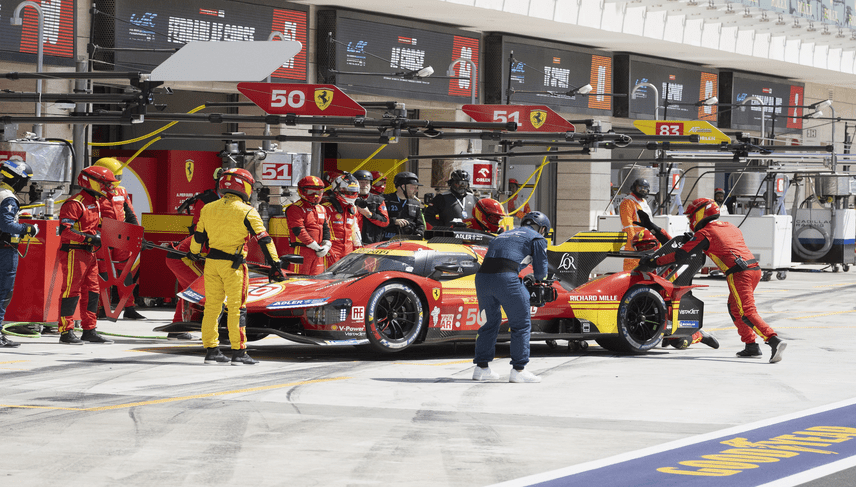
[812, 461]
[182, 398]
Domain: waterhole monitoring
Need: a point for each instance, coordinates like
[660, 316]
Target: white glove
[314, 246]
[324, 248]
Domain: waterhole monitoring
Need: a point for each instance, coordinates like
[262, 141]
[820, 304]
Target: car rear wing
[573, 261]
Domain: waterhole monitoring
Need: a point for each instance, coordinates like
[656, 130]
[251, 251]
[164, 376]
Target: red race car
[395, 294]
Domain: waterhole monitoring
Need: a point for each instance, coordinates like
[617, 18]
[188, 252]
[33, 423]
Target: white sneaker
[523, 376]
[484, 374]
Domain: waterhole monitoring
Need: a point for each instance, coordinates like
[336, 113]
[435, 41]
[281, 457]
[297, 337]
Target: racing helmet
[378, 183]
[114, 165]
[640, 187]
[701, 211]
[489, 214]
[718, 191]
[403, 178]
[645, 240]
[346, 188]
[363, 175]
[97, 179]
[459, 181]
[16, 173]
[536, 219]
[236, 181]
[310, 188]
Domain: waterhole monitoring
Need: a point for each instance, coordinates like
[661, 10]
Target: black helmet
[403, 178]
[459, 182]
[459, 175]
[536, 218]
[16, 173]
[640, 185]
[363, 175]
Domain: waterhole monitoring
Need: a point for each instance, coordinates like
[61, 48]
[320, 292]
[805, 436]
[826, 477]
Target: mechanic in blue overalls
[14, 176]
[498, 284]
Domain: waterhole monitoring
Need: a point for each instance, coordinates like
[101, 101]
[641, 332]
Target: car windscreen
[372, 260]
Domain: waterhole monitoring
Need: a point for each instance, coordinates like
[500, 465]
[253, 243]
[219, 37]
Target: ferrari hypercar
[395, 294]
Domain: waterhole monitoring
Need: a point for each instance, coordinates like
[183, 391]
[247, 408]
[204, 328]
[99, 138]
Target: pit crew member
[309, 231]
[405, 211]
[226, 225]
[79, 223]
[455, 204]
[632, 203]
[16, 176]
[373, 217]
[724, 244]
[342, 217]
[498, 285]
[513, 210]
[378, 183]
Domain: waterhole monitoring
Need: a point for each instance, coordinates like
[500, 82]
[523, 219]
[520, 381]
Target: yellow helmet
[114, 165]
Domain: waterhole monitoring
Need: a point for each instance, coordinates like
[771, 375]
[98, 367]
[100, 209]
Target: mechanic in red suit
[119, 207]
[185, 271]
[79, 222]
[513, 210]
[651, 239]
[342, 217]
[724, 244]
[373, 217]
[309, 231]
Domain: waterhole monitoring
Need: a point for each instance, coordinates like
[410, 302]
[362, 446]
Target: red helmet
[236, 181]
[378, 183]
[346, 188]
[701, 211]
[97, 179]
[310, 188]
[513, 181]
[489, 214]
[645, 240]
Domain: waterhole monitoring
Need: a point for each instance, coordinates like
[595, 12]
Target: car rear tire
[394, 317]
[641, 322]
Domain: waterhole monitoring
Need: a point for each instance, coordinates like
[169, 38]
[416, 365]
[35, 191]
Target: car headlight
[329, 314]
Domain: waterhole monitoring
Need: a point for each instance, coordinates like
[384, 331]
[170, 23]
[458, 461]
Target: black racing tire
[394, 317]
[641, 322]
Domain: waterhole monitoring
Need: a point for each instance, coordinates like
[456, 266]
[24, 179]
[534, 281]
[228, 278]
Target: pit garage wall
[582, 193]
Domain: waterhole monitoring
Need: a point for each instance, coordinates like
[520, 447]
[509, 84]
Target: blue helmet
[15, 173]
[536, 218]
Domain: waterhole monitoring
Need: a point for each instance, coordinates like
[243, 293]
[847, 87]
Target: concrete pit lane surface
[144, 412]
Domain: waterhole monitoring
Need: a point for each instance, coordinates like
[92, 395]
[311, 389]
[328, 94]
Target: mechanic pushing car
[342, 217]
[498, 284]
[405, 211]
[79, 221]
[307, 223]
[373, 217]
[226, 225]
[15, 175]
[632, 203]
[455, 204]
[651, 239]
[119, 207]
[724, 244]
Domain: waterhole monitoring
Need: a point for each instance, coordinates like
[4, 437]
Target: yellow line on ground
[839, 284]
[13, 361]
[825, 314]
[183, 398]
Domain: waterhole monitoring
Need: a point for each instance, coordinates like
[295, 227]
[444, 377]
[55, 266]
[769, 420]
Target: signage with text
[529, 118]
[300, 99]
[707, 133]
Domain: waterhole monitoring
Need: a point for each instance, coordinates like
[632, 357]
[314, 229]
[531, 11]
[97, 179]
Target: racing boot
[751, 350]
[5, 342]
[778, 345]
[484, 373]
[709, 339]
[519, 376]
[666, 342]
[681, 343]
[213, 356]
[68, 337]
[179, 336]
[92, 336]
[241, 357]
[132, 314]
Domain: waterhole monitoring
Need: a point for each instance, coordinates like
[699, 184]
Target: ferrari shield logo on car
[537, 117]
[436, 293]
[188, 169]
[323, 98]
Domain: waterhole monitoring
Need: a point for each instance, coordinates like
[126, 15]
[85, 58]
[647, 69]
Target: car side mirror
[447, 268]
[287, 259]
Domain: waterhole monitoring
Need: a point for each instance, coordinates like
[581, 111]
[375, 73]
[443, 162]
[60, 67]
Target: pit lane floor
[148, 412]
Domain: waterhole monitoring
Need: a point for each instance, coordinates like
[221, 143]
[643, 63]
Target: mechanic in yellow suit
[227, 224]
[628, 207]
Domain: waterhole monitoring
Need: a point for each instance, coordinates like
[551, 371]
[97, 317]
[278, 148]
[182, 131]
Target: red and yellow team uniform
[185, 271]
[227, 225]
[78, 265]
[307, 223]
[724, 244]
[629, 205]
[344, 229]
[516, 212]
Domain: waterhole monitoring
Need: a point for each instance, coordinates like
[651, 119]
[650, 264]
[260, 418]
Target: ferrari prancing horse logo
[188, 169]
[436, 293]
[323, 98]
[537, 117]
